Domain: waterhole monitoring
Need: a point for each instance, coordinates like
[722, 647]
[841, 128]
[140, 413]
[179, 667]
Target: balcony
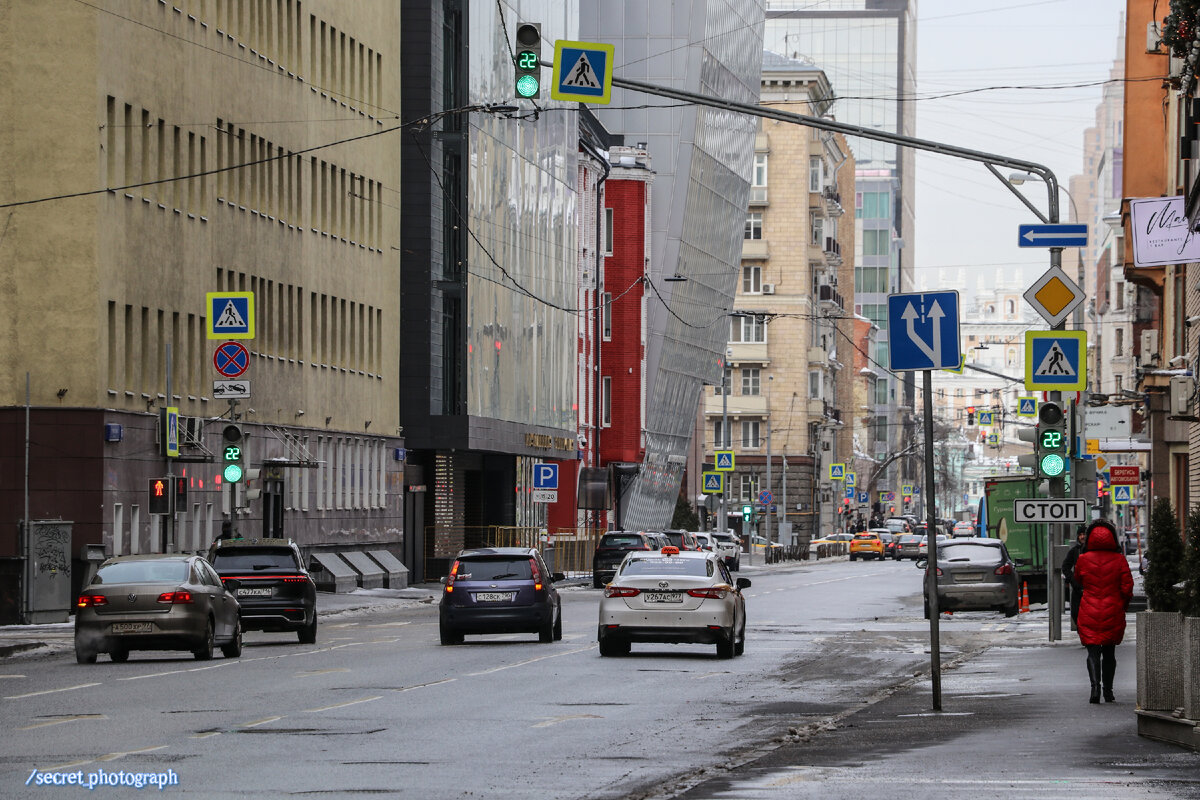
[740, 405]
[833, 202]
[817, 355]
[827, 294]
[833, 251]
[755, 250]
[758, 196]
[747, 353]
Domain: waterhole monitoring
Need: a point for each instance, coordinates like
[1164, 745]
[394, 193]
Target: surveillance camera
[1192, 320]
[1180, 359]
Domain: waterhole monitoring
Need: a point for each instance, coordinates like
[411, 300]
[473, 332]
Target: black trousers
[1103, 657]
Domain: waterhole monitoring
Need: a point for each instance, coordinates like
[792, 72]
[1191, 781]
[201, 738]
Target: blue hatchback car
[500, 590]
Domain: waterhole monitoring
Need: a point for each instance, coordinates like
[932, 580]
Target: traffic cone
[1024, 597]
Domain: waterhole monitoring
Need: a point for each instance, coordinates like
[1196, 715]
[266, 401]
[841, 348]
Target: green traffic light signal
[527, 61]
[233, 473]
[1052, 465]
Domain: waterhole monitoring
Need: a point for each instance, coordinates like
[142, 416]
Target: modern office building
[154, 156]
[702, 159]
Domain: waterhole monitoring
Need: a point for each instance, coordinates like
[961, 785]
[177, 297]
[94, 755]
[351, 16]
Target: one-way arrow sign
[1059, 235]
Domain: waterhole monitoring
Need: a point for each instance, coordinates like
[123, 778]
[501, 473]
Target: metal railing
[565, 550]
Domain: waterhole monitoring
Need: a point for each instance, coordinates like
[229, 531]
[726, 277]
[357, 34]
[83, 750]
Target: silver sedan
[674, 597]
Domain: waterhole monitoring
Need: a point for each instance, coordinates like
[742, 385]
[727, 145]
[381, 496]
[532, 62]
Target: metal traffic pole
[935, 649]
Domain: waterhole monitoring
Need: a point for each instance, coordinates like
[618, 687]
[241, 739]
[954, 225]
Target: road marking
[940, 714]
[50, 691]
[709, 675]
[530, 661]
[258, 722]
[340, 625]
[12, 676]
[426, 685]
[556, 720]
[342, 705]
[49, 722]
[108, 757]
[388, 624]
[311, 673]
[206, 734]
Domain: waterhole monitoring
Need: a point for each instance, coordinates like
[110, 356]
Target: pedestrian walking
[1102, 574]
[1068, 573]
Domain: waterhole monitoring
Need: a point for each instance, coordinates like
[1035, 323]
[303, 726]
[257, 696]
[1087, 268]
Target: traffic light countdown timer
[527, 61]
[232, 451]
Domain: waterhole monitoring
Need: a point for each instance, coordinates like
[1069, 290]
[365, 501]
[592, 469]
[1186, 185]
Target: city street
[831, 699]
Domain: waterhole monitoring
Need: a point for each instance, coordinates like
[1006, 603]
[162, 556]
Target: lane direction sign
[1054, 295]
[1063, 234]
[1054, 509]
[582, 72]
[1056, 360]
[231, 359]
[923, 331]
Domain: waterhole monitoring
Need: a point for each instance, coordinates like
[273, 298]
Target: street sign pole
[935, 650]
[168, 545]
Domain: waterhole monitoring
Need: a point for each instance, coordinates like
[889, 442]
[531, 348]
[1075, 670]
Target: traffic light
[1052, 440]
[232, 451]
[527, 61]
[252, 476]
[970, 415]
[160, 496]
[181, 492]
[1030, 460]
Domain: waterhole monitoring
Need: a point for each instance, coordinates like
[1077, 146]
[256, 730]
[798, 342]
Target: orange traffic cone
[1024, 598]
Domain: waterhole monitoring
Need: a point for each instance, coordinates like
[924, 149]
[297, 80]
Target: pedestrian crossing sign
[1056, 360]
[985, 418]
[1122, 494]
[724, 460]
[582, 72]
[1026, 406]
[230, 315]
[851, 479]
[714, 482]
[837, 472]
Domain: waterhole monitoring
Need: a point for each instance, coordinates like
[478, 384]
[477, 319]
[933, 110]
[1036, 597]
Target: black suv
[275, 591]
[611, 550]
[500, 590]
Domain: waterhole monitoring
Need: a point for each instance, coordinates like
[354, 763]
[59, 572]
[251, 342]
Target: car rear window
[974, 553]
[255, 558]
[677, 539]
[861, 536]
[621, 540]
[908, 538]
[699, 567]
[143, 572]
[722, 537]
[494, 569]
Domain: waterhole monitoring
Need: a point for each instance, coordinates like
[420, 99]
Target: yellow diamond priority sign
[1054, 295]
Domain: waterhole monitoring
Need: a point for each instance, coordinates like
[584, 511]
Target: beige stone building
[155, 152]
[790, 377]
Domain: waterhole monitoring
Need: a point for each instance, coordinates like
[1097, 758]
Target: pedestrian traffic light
[181, 492]
[232, 451]
[160, 496]
[1052, 440]
[527, 60]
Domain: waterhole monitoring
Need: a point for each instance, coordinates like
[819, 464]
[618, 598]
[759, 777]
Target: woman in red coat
[1102, 574]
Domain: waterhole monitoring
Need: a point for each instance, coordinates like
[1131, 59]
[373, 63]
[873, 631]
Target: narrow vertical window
[608, 231]
[606, 401]
[606, 322]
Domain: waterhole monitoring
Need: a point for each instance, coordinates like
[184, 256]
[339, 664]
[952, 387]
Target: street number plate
[493, 597]
[132, 627]
[263, 592]
[664, 597]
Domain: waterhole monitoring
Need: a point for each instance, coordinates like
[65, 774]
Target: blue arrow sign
[923, 330]
[1060, 235]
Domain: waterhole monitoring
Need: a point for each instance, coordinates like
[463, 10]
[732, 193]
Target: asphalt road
[379, 707]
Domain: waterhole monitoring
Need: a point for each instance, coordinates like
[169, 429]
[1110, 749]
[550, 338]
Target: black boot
[1107, 669]
[1093, 666]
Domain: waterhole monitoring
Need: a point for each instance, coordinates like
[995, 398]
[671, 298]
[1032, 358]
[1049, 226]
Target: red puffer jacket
[1107, 589]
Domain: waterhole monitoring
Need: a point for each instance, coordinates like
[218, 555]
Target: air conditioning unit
[768, 288]
[1149, 345]
[1182, 388]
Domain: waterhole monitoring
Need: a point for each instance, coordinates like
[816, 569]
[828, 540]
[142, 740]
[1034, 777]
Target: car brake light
[620, 591]
[176, 597]
[453, 574]
[86, 600]
[1004, 569]
[537, 575]
[711, 592]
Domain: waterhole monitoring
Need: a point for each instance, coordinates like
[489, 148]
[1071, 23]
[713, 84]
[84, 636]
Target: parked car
[673, 597]
[729, 547]
[500, 590]
[684, 540]
[156, 602]
[275, 591]
[923, 547]
[891, 542]
[909, 546]
[658, 540]
[704, 541]
[866, 545]
[612, 547]
[974, 575]
[963, 529]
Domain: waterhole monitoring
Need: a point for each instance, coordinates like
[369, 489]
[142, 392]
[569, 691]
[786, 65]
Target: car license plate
[493, 597]
[664, 597]
[968, 577]
[132, 627]
[255, 592]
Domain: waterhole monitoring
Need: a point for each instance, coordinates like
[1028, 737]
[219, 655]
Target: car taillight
[86, 600]
[178, 596]
[711, 592]
[537, 575]
[621, 591]
[450, 578]
[1004, 569]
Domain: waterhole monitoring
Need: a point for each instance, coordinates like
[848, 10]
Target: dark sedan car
[975, 575]
[613, 546]
[275, 591]
[156, 602]
[500, 590]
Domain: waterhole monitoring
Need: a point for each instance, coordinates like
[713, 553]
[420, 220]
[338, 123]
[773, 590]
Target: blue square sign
[923, 331]
[545, 476]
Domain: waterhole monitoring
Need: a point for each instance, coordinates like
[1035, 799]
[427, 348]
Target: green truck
[1026, 542]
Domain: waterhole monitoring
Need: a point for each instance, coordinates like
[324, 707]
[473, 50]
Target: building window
[881, 392]
[606, 317]
[876, 242]
[606, 401]
[858, 205]
[1119, 295]
[721, 438]
[1118, 385]
[751, 279]
[760, 169]
[875, 205]
[748, 328]
[750, 434]
[754, 225]
[749, 488]
[881, 427]
[814, 384]
[751, 381]
[1120, 343]
[814, 173]
[608, 231]
[817, 225]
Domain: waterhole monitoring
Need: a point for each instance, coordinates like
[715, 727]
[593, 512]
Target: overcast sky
[964, 217]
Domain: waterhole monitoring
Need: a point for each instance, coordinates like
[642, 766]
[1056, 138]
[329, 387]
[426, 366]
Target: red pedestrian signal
[160, 496]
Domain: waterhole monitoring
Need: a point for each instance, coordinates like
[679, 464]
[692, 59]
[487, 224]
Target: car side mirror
[555, 577]
[232, 585]
[922, 563]
[743, 583]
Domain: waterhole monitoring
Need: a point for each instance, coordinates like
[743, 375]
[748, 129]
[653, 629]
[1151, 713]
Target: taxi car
[275, 591]
[866, 545]
[673, 597]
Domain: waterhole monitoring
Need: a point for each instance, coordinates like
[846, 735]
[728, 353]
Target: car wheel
[233, 648]
[119, 655]
[1013, 610]
[546, 631]
[308, 634]
[927, 611]
[596, 582]
[853, 556]
[449, 635]
[84, 654]
[558, 626]
[611, 648]
[725, 646]
[204, 651]
[737, 564]
[740, 646]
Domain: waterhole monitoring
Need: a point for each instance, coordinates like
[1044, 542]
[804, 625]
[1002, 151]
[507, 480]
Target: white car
[728, 547]
[674, 597]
